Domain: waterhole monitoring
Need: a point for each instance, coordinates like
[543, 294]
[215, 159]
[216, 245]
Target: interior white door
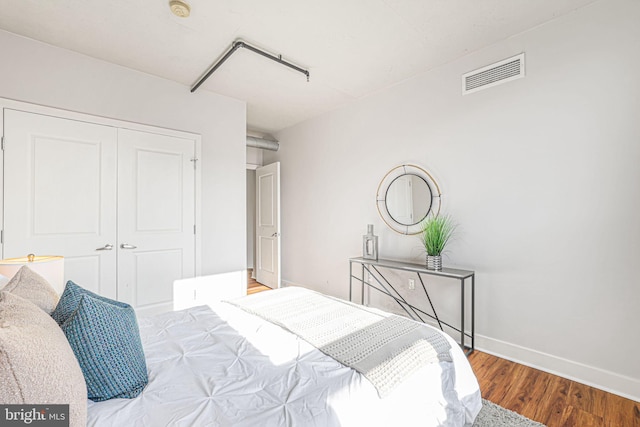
[156, 217]
[267, 260]
[60, 193]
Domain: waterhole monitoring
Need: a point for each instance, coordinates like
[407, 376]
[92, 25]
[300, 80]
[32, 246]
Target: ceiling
[352, 48]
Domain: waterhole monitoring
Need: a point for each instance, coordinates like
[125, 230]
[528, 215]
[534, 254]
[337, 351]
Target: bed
[224, 365]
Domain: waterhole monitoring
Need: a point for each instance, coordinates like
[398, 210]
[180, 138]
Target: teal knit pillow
[70, 299]
[105, 338]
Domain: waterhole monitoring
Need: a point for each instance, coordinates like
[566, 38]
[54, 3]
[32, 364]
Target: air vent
[494, 74]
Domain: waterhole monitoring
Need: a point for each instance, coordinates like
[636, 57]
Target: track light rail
[241, 44]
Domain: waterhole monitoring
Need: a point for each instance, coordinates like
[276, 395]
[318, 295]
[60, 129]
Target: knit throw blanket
[385, 348]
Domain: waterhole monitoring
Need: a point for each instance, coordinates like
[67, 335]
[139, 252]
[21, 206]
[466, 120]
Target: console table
[384, 286]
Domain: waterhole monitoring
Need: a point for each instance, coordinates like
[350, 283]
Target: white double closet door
[118, 204]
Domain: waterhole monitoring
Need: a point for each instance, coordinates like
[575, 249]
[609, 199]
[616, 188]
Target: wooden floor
[256, 287]
[253, 286]
[548, 399]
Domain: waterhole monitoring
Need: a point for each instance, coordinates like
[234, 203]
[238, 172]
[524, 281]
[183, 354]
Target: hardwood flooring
[253, 286]
[549, 399]
[256, 287]
[546, 398]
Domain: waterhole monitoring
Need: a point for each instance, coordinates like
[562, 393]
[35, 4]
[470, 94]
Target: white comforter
[228, 368]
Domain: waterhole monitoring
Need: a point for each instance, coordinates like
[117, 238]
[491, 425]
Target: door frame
[89, 118]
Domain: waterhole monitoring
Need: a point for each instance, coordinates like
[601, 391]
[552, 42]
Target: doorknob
[127, 246]
[106, 247]
[276, 234]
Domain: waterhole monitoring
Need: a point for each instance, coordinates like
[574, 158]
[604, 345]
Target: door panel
[156, 217]
[268, 225]
[60, 192]
[267, 254]
[159, 191]
[151, 269]
[64, 170]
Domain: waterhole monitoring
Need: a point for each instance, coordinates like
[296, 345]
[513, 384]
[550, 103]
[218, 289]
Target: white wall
[38, 73]
[541, 174]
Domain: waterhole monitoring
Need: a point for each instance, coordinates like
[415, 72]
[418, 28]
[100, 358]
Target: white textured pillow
[37, 365]
[33, 287]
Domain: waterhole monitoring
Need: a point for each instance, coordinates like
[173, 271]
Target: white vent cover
[494, 74]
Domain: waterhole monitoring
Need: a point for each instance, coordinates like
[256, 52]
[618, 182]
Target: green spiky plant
[436, 232]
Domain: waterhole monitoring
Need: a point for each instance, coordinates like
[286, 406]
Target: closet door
[60, 193]
[156, 217]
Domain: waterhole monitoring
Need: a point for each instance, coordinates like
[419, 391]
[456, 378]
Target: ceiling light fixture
[180, 8]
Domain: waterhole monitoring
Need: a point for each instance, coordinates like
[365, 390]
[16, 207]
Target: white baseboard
[595, 377]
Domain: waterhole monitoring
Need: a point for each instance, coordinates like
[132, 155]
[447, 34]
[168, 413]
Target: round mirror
[408, 199]
[406, 195]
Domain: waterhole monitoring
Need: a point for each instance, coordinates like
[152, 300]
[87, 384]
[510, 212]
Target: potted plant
[436, 230]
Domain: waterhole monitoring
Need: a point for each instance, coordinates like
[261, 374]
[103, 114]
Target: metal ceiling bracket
[241, 44]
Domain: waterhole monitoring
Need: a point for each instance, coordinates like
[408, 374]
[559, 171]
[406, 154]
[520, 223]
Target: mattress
[221, 366]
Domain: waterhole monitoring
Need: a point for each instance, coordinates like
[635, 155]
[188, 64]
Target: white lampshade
[50, 267]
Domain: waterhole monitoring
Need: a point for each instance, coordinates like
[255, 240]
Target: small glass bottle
[370, 244]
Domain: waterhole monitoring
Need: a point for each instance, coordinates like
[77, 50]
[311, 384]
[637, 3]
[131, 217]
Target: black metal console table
[384, 286]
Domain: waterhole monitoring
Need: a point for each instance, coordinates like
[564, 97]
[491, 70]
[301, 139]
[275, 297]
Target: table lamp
[50, 267]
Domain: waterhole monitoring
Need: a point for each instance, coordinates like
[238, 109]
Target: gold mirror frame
[383, 188]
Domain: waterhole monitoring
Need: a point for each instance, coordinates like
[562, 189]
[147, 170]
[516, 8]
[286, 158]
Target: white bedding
[229, 368]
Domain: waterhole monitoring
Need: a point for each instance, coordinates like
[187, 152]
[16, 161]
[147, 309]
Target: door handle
[276, 234]
[127, 246]
[106, 247]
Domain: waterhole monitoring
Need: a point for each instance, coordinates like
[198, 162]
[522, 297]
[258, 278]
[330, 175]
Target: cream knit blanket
[385, 348]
